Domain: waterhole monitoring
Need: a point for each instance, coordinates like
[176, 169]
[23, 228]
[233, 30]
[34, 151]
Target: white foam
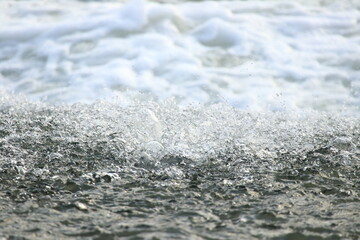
[257, 55]
[151, 133]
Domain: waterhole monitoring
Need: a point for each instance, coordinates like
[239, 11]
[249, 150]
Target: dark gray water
[163, 172]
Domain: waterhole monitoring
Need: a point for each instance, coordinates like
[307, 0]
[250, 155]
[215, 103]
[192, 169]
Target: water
[179, 120]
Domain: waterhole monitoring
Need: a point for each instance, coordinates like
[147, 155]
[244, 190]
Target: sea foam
[253, 55]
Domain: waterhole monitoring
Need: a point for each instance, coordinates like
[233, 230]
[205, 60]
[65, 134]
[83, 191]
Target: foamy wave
[153, 135]
[274, 55]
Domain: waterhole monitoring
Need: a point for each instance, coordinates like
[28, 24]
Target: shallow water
[159, 171]
[179, 120]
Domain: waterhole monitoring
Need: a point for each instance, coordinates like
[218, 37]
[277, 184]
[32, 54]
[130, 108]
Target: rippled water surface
[179, 120]
[163, 172]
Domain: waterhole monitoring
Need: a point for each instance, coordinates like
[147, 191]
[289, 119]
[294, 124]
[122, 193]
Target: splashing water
[196, 171]
[182, 120]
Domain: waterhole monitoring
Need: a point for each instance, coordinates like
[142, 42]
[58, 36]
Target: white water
[273, 55]
[262, 120]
